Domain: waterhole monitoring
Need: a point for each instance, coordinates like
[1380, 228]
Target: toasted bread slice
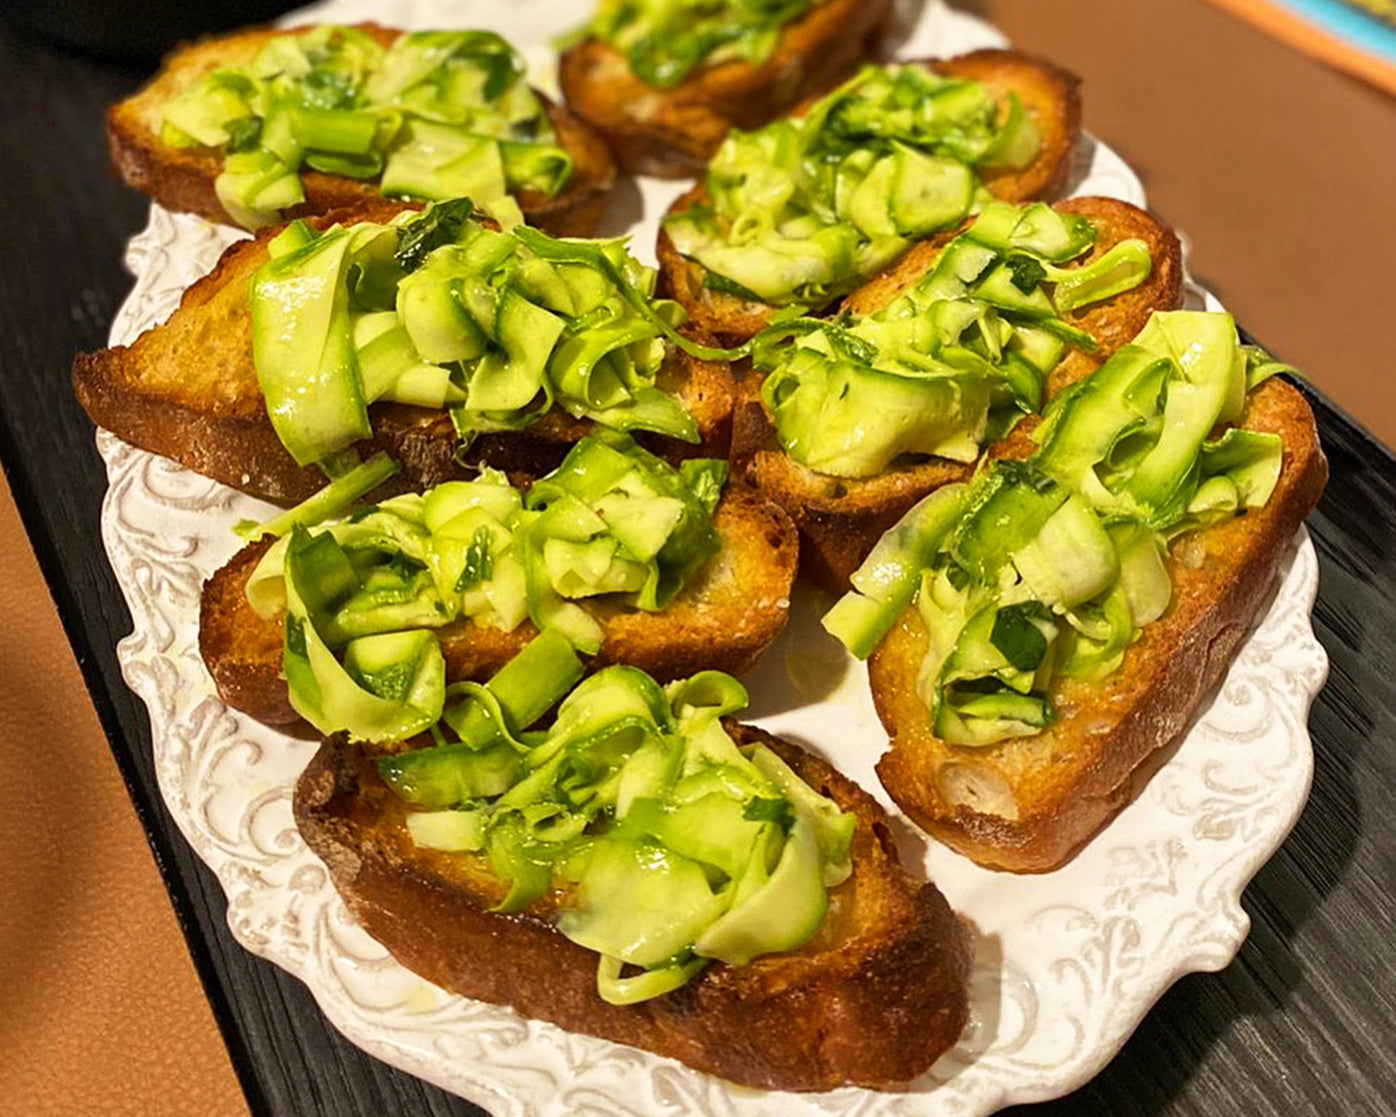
[187, 390]
[1029, 803]
[674, 132]
[1049, 94]
[722, 620]
[841, 518]
[183, 178]
[871, 1000]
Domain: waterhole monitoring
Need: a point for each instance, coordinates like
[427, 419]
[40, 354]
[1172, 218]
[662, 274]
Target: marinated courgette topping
[1134, 437]
[661, 843]
[363, 598]
[666, 40]
[952, 362]
[334, 498]
[438, 114]
[804, 209]
[1049, 568]
[439, 311]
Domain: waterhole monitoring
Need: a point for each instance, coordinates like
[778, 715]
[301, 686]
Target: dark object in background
[133, 32]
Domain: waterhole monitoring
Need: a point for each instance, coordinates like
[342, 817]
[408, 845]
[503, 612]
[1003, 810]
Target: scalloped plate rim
[1227, 927]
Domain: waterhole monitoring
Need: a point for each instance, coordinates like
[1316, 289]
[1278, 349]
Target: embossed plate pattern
[1067, 963]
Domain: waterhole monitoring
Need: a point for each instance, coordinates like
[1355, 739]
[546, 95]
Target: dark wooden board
[1300, 1023]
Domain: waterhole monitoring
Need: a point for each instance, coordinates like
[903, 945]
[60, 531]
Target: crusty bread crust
[187, 390]
[841, 518]
[183, 178]
[872, 1000]
[1050, 95]
[672, 133]
[726, 616]
[1052, 98]
[1028, 804]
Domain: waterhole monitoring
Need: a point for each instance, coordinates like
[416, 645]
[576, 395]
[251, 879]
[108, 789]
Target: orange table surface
[103, 1012]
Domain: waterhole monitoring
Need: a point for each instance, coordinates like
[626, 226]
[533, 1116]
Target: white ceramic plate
[1067, 963]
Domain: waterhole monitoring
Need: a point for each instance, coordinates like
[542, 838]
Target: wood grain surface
[1300, 1022]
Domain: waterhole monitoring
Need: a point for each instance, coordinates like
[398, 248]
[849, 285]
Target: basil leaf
[1017, 639]
[1027, 271]
[439, 225]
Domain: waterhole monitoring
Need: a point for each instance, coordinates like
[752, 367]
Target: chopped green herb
[405, 566]
[243, 134]
[325, 89]
[1026, 473]
[849, 345]
[1017, 639]
[769, 810]
[479, 562]
[440, 225]
[1028, 272]
[393, 682]
[295, 636]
